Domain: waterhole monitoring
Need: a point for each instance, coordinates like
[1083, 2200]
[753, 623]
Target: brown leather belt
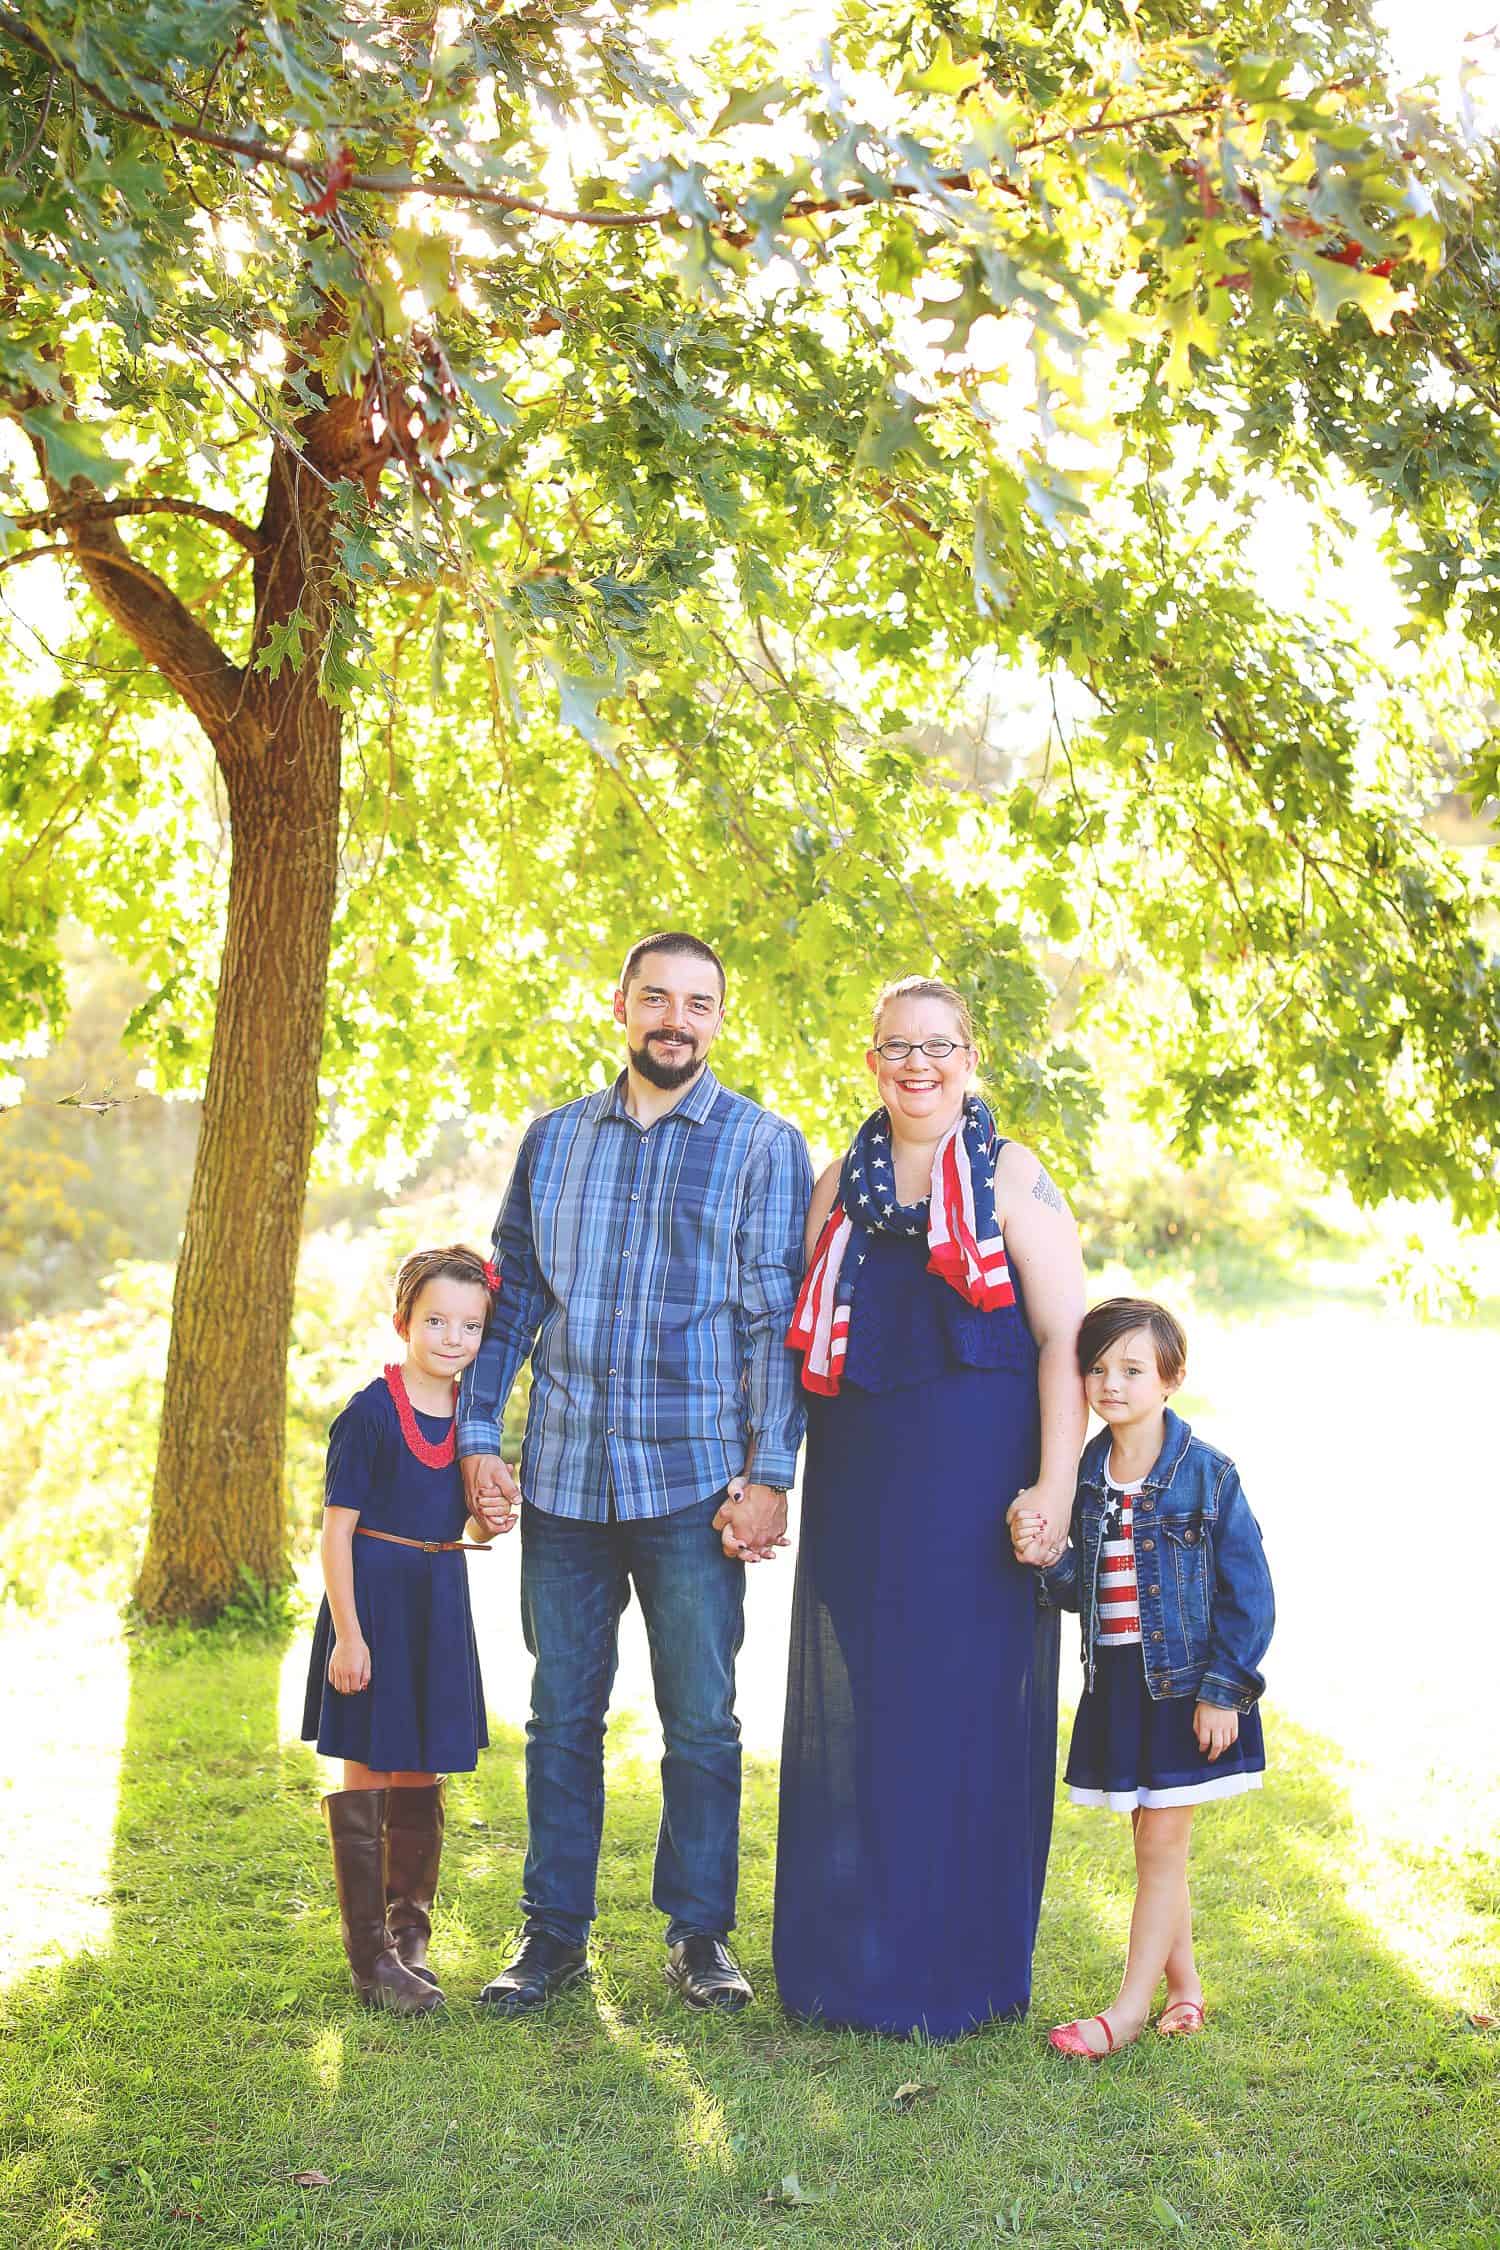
[427, 1546]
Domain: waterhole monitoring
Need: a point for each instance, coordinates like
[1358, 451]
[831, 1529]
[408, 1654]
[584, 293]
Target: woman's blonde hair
[925, 988]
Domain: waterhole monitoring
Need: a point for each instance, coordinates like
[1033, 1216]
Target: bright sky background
[1433, 37]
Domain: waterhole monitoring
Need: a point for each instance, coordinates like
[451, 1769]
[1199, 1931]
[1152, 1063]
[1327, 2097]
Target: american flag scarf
[963, 1235]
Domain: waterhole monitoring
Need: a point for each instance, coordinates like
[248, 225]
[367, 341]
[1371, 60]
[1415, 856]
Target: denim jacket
[1205, 1593]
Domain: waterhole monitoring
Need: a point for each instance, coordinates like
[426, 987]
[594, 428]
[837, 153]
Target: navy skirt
[423, 1711]
[1130, 1750]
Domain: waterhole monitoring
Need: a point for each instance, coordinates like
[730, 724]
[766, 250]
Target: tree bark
[217, 1512]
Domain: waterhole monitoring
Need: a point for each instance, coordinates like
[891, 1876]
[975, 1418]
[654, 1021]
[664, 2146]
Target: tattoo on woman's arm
[1045, 1192]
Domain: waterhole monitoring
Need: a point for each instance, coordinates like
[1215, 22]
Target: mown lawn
[165, 2087]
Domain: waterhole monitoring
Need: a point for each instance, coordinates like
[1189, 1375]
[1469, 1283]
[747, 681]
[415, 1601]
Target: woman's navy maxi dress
[919, 1757]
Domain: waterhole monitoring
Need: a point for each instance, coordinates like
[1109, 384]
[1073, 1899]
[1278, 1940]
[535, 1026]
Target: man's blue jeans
[575, 1582]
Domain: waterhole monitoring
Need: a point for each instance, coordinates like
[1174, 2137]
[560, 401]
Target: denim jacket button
[1153, 1589]
[1147, 1545]
[1156, 1636]
[1188, 1537]
[1146, 1506]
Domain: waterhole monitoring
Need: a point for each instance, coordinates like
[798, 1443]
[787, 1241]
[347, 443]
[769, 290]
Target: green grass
[164, 2088]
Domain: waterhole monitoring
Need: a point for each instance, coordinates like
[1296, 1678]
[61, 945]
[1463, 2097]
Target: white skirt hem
[1189, 1792]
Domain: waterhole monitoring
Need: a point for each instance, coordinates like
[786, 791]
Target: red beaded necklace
[437, 1456]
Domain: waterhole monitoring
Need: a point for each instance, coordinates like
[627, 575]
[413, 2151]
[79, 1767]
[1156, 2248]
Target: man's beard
[667, 1075]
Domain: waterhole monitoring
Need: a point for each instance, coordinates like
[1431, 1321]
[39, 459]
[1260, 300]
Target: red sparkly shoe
[1068, 2039]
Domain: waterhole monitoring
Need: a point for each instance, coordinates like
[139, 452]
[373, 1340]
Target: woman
[937, 1321]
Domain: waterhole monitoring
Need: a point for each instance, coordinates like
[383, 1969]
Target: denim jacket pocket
[1186, 1541]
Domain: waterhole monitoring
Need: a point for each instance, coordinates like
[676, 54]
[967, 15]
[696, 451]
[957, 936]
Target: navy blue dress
[423, 1710]
[920, 1749]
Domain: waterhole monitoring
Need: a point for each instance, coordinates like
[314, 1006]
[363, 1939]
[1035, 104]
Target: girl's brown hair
[456, 1263]
[926, 988]
[1104, 1324]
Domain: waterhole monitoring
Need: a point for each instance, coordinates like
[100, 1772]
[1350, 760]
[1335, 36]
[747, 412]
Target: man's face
[671, 1014]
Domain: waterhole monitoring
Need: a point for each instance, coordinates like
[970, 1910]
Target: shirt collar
[695, 1107]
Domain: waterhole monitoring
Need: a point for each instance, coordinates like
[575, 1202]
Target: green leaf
[1335, 286]
[947, 73]
[283, 645]
[751, 105]
[75, 449]
[992, 592]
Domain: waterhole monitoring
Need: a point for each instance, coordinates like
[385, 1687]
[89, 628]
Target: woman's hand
[1039, 1516]
[1028, 1529]
[349, 1666]
[1215, 1728]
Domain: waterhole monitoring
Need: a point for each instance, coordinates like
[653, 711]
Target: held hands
[490, 1491]
[349, 1666]
[1215, 1728]
[752, 1521]
[1038, 1522]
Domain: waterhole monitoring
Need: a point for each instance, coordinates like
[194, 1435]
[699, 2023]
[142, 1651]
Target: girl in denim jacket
[1166, 1567]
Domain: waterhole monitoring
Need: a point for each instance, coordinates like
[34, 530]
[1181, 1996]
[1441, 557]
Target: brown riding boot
[356, 1830]
[413, 1854]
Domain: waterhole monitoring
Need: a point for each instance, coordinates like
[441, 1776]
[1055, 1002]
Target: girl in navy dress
[393, 1687]
[1166, 1568]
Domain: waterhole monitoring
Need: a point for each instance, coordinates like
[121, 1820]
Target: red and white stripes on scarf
[964, 1243]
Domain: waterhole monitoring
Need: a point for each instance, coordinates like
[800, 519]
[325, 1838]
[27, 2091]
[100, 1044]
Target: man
[650, 1247]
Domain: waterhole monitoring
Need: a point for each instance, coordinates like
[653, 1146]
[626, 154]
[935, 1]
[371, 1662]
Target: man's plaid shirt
[652, 1272]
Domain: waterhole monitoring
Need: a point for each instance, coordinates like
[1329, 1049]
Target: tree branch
[144, 607]
[34, 554]
[251, 149]
[145, 504]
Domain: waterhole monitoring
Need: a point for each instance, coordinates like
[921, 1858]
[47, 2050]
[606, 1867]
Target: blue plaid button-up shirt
[651, 1272]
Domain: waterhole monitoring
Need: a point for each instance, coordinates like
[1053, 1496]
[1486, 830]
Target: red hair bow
[491, 1277]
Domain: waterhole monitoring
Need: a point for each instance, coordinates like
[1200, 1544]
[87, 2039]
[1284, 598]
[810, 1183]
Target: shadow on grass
[166, 2088]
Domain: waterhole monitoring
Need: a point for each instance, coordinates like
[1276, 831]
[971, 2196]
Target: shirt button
[635, 1199]
[1155, 1589]
[618, 1310]
[611, 1431]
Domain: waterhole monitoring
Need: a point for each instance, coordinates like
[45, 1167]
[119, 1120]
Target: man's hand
[752, 1521]
[491, 1492]
[1215, 1728]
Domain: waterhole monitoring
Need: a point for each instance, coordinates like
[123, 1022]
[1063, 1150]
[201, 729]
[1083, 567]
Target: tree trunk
[216, 1510]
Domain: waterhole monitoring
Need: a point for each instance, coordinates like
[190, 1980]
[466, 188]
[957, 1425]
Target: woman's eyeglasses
[938, 1050]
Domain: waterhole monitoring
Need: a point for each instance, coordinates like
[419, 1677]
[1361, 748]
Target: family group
[692, 1303]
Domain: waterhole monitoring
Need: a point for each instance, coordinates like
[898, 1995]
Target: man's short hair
[1105, 1324]
[672, 941]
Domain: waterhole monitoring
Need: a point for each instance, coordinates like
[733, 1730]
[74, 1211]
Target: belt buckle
[432, 1546]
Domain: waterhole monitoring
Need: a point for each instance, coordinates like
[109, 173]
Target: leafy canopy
[738, 430]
